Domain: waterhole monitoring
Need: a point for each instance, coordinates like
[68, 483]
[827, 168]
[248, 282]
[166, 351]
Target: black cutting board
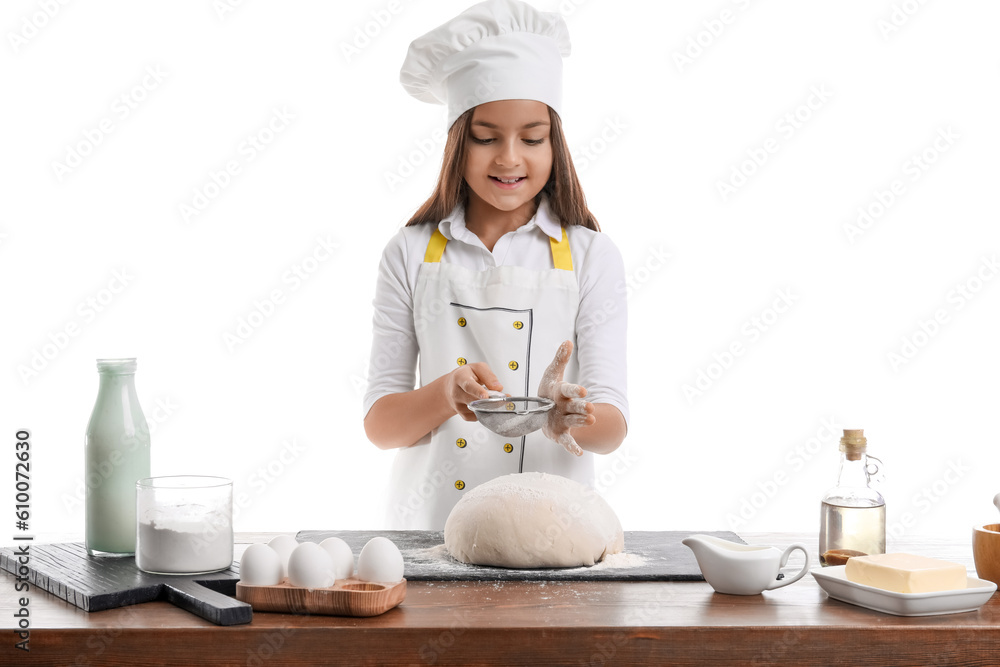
[97, 583]
[663, 556]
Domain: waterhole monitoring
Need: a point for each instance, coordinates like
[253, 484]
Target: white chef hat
[496, 50]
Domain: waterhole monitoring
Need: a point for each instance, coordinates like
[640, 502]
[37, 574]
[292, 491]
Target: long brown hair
[566, 200]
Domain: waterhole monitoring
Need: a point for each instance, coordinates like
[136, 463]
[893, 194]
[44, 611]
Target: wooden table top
[528, 623]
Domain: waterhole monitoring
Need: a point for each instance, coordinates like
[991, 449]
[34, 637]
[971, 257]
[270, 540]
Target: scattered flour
[439, 554]
[620, 560]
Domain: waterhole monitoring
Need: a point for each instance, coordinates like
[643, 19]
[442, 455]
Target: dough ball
[532, 520]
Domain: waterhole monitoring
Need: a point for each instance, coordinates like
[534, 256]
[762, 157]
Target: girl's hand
[465, 384]
[570, 410]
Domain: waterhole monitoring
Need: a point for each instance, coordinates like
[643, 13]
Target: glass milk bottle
[852, 515]
[116, 456]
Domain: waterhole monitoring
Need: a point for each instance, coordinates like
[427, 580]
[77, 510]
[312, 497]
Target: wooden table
[465, 623]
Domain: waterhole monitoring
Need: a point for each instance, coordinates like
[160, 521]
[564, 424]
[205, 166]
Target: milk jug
[116, 452]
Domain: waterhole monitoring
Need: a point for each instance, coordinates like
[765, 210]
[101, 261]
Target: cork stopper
[854, 443]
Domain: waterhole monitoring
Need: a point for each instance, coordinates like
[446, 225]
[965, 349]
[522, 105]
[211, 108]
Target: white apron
[514, 319]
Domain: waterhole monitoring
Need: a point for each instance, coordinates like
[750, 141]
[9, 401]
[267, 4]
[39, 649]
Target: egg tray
[347, 597]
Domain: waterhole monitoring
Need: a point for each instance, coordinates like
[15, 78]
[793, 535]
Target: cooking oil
[850, 531]
[852, 514]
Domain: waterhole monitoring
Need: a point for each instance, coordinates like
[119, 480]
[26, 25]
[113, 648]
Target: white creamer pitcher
[742, 569]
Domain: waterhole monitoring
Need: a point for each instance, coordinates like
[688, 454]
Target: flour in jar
[185, 542]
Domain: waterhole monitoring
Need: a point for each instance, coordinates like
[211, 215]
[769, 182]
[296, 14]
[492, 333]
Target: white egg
[380, 561]
[310, 566]
[284, 545]
[343, 558]
[260, 566]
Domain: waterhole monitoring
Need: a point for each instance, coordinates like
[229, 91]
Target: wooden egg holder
[347, 597]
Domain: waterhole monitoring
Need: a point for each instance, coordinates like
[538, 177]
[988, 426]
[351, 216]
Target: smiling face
[508, 155]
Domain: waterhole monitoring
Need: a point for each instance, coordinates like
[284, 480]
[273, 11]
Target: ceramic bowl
[986, 551]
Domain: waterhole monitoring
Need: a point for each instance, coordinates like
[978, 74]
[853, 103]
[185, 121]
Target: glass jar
[185, 524]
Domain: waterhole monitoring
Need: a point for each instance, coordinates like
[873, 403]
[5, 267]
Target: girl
[501, 268]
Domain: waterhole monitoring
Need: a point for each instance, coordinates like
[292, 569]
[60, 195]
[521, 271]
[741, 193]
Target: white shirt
[600, 324]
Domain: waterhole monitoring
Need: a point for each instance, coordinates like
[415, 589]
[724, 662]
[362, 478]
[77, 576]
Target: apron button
[518, 325]
[462, 361]
[461, 322]
[508, 448]
[512, 365]
[461, 443]
[459, 485]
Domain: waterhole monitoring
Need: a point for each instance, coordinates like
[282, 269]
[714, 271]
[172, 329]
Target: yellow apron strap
[561, 257]
[436, 247]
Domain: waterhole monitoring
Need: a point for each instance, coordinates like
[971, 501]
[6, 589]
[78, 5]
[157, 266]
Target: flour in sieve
[510, 424]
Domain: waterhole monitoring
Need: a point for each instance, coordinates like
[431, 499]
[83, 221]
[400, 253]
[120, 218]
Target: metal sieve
[512, 416]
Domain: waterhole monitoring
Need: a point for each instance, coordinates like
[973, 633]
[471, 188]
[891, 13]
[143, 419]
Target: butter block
[906, 573]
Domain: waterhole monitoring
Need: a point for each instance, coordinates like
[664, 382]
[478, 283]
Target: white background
[869, 86]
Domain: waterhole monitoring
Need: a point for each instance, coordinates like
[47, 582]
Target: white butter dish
[834, 581]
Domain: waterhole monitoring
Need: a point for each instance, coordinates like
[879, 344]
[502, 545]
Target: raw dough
[531, 520]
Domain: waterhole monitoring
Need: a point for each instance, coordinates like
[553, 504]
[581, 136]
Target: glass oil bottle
[852, 515]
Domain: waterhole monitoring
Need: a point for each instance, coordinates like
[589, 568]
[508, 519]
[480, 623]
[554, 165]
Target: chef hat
[496, 50]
